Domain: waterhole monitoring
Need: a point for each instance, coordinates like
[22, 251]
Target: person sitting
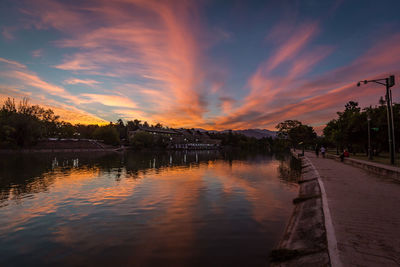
[344, 154]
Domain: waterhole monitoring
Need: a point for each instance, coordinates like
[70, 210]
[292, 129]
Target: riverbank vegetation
[24, 125]
[350, 129]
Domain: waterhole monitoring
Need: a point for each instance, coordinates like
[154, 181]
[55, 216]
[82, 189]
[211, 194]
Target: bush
[108, 134]
[142, 140]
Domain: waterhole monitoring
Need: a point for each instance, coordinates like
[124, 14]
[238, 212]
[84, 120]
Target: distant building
[155, 131]
[181, 138]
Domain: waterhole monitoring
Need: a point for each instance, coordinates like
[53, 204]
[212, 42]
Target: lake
[204, 208]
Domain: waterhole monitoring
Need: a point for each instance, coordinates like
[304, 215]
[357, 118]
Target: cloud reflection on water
[142, 212]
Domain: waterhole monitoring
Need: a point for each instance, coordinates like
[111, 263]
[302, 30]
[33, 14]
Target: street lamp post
[388, 83]
[369, 138]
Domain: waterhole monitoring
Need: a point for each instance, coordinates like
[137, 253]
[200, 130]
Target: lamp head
[391, 81]
[358, 84]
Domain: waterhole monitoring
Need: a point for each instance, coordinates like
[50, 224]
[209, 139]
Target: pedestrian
[323, 151]
[345, 154]
[317, 150]
[342, 156]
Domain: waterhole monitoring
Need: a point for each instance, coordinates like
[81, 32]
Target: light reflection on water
[143, 209]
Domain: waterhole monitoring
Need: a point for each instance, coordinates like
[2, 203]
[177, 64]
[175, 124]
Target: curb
[376, 168]
[330, 231]
[304, 242]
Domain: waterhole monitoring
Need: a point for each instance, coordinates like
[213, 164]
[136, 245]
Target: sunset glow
[208, 64]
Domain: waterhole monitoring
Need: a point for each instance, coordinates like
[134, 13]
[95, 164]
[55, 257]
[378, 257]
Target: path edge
[330, 231]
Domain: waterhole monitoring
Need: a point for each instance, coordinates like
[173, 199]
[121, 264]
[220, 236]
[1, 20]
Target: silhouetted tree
[295, 132]
[108, 134]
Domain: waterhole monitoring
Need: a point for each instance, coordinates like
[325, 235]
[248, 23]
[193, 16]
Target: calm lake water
[143, 209]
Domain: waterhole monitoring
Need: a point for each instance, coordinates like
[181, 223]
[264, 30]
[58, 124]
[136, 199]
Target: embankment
[373, 167]
[304, 242]
[64, 145]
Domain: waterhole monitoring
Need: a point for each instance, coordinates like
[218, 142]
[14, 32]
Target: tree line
[348, 131]
[23, 125]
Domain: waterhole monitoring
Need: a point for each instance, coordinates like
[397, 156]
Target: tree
[108, 134]
[349, 130]
[121, 129]
[133, 125]
[295, 132]
[142, 140]
[86, 131]
[285, 127]
[26, 124]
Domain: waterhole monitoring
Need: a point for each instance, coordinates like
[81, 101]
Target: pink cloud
[13, 63]
[301, 36]
[151, 40]
[67, 113]
[23, 79]
[161, 44]
[315, 101]
[266, 89]
[7, 32]
[81, 81]
[37, 53]
[226, 104]
[108, 100]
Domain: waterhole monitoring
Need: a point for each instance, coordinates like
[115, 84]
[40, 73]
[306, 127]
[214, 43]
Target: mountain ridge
[256, 133]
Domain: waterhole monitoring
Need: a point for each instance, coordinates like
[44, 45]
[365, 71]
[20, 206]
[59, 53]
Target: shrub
[108, 134]
[142, 140]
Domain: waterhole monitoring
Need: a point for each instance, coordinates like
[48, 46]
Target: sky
[203, 64]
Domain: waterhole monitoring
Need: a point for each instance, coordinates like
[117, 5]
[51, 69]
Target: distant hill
[256, 133]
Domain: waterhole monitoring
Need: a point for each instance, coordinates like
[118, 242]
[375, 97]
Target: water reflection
[142, 209]
[289, 170]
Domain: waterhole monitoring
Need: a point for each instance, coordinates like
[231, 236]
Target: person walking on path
[317, 150]
[323, 151]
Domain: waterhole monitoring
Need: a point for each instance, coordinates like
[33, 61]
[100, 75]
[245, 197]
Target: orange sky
[193, 64]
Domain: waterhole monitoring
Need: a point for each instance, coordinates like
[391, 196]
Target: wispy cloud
[67, 113]
[108, 100]
[265, 86]
[7, 33]
[317, 99]
[156, 61]
[21, 77]
[82, 81]
[297, 41]
[153, 41]
[13, 63]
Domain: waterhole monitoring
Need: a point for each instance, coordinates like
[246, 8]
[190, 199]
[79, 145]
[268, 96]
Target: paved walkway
[365, 212]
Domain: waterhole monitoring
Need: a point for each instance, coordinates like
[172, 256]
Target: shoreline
[311, 217]
[305, 240]
[58, 150]
[117, 150]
